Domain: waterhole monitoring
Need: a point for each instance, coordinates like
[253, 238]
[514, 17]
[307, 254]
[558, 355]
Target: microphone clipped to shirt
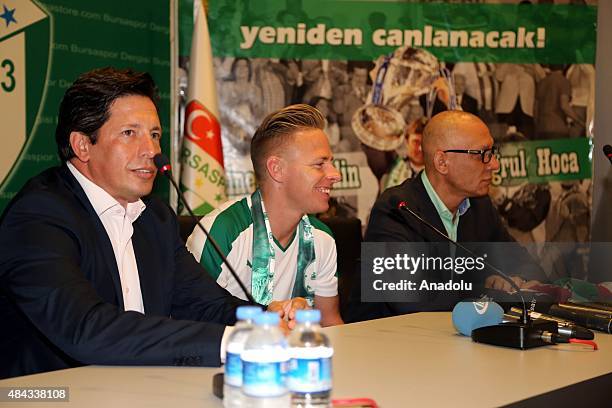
[163, 166]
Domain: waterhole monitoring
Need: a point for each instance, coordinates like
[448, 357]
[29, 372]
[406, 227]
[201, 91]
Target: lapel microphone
[163, 165]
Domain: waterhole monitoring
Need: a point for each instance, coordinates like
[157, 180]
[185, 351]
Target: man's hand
[531, 284]
[284, 327]
[499, 283]
[286, 309]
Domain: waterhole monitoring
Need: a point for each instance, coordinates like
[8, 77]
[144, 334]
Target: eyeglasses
[485, 154]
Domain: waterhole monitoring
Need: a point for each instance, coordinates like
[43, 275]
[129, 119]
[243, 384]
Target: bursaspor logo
[24, 60]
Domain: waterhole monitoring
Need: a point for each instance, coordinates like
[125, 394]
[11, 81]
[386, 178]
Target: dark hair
[86, 104]
[232, 75]
[275, 128]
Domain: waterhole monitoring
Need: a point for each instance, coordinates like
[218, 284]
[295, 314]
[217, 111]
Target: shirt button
[127, 290]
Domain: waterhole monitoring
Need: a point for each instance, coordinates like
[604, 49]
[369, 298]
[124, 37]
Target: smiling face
[309, 172]
[121, 160]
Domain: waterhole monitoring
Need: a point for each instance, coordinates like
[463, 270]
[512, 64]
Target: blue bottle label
[233, 369]
[310, 374]
[264, 379]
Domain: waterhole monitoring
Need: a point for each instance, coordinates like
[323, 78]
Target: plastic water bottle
[232, 386]
[310, 377]
[264, 364]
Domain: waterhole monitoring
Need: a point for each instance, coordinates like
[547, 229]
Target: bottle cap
[247, 312]
[310, 316]
[267, 318]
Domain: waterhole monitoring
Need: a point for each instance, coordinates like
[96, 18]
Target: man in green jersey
[278, 249]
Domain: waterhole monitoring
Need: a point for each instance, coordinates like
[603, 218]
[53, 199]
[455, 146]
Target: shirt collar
[101, 200]
[441, 208]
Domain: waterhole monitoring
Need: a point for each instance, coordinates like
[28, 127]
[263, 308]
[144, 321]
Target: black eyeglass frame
[494, 150]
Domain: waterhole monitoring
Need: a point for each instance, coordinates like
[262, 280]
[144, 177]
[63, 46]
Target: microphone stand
[163, 165]
[522, 334]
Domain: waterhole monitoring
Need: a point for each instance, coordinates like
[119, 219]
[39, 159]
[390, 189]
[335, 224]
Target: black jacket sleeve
[57, 286]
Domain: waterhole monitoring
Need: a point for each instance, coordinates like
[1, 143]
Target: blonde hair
[275, 129]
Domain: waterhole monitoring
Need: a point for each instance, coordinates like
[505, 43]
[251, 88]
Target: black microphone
[565, 327]
[607, 149]
[403, 205]
[163, 165]
[594, 319]
[523, 334]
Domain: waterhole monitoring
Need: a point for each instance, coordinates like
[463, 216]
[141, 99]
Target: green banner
[68, 38]
[544, 161]
[363, 30]
[517, 67]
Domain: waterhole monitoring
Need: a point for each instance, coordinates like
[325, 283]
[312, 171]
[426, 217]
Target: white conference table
[412, 360]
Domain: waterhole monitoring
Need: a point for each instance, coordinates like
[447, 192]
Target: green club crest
[24, 61]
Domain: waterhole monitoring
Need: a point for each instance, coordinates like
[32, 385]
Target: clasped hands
[286, 309]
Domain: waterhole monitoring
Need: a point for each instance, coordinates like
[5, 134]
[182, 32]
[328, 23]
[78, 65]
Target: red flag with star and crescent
[202, 171]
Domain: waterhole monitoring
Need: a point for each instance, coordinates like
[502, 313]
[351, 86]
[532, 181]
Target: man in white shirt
[278, 249]
[92, 269]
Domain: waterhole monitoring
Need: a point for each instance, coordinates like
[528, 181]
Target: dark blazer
[480, 224]
[60, 294]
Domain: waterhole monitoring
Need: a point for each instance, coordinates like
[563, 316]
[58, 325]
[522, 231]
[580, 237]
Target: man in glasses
[451, 194]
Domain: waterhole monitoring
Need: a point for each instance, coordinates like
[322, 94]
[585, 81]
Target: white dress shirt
[117, 222]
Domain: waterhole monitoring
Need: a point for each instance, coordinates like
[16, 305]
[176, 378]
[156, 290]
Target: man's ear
[80, 144]
[275, 165]
[440, 162]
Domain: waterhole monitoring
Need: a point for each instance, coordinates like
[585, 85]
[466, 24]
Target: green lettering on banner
[323, 29]
[544, 161]
[350, 175]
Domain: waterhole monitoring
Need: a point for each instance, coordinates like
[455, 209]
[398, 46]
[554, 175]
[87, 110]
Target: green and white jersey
[231, 226]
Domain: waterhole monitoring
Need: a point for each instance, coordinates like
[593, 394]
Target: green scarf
[263, 265]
